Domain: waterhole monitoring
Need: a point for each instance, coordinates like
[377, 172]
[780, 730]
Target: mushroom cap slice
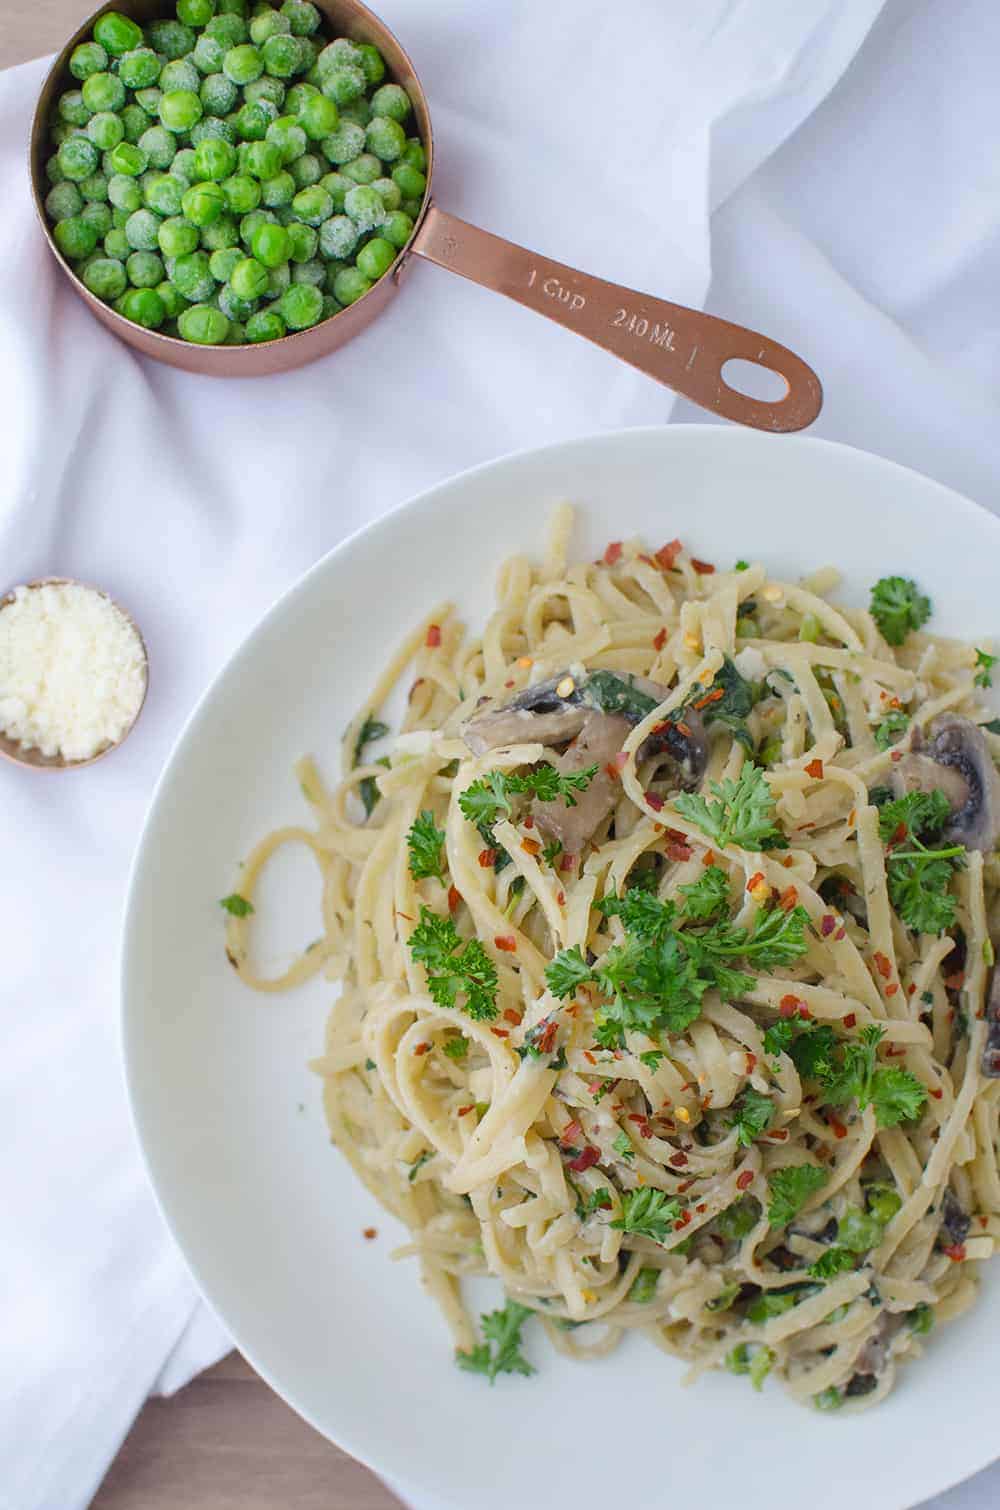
[598, 742]
[956, 760]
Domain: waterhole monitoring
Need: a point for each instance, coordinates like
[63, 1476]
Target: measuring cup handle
[682, 348]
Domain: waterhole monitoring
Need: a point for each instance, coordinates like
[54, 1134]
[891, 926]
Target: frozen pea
[86, 59]
[340, 53]
[75, 237]
[134, 122]
[212, 126]
[263, 159]
[266, 325]
[313, 272]
[172, 38]
[116, 33]
[191, 275]
[271, 244]
[116, 244]
[391, 100]
[312, 205]
[214, 159]
[145, 269]
[63, 201]
[310, 49]
[376, 257]
[412, 207]
[266, 23]
[177, 236]
[364, 205]
[105, 277]
[391, 196]
[363, 169]
[164, 193]
[302, 17]
[317, 115]
[143, 306]
[223, 261]
[284, 214]
[414, 154]
[105, 130]
[124, 193]
[195, 13]
[398, 228]
[302, 243]
[232, 7]
[343, 84]
[183, 165]
[228, 28]
[99, 215]
[281, 56]
[358, 111]
[249, 279]
[289, 138]
[349, 285]
[73, 109]
[139, 68]
[251, 221]
[278, 280]
[385, 137]
[173, 301]
[119, 217]
[253, 119]
[60, 132]
[411, 181]
[334, 266]
[78, 157]
[279, 190]
[306, 170]
[203, 203]
[242, 193]
[300, 306]
[336, 185]
[222, 233]
[150, 99]
[372, 64]
[204, 325]
[296, 96]
[331, 306]
[159, 146]
[103, 91]
[232, 306]
[142, 229]
[343, 144]
[94, 186]
[236, 334]
[208, 54]
[338, 236]
[179, 75]
[265, 88]
[180, 109]
[243, 64]
[53, 172]
[218, 94]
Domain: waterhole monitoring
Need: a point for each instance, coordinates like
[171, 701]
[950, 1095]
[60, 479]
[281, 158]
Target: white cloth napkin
[600, 136]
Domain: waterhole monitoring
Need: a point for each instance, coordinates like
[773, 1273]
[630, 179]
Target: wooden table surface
[226, 1442]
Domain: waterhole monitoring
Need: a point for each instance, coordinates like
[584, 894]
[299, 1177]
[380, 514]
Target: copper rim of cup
[33, 759]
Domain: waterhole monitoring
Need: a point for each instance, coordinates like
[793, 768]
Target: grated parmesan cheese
[72, 670]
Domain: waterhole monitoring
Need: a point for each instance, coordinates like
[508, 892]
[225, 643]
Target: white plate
[270, 1216]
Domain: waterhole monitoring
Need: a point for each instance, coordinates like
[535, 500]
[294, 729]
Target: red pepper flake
[667, 554]
[589, 1057]
[882, 965]
[684, 1186]
[648, 559]
[500, 1032]
[815, 769]
[891, 990]
[851, 1020]
[701, 1208]
[463, 1111]
[827, 924]
[678, 1160]
[529, 822]
[507, 942]
[561, 898]
[531, 846]
[703, 568]
[708, 858]
[714, 696]
[895, 1051]
[433, 636]
[788, 899]
[511, 1014]
[454, 897]
[659, 639]
[911, 988]
[789, 1006]
[508, 684]
[788, 862]
[984, 1221]
[586, 1160]
[751, 1062]
[613, 553]
[570, 1133]
[756, 879]
[955, 982]
[567, 862]
[487, 857]
[779, 1135]
[937, 1094]
[422, 1048]
[745, 1179]
[406, 915]
[804, 1011]
[838, 1128]
[956, 1253]
[612, 771]
[654, 801]
[896, 756]
[841, 933]
[369, 1233]
[682, 1221]
[678, 849]
[684, 729]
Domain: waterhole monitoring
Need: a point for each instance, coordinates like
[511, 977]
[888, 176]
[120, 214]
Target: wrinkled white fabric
[602, 137]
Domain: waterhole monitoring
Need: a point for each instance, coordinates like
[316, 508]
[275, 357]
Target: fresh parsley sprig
[648, 1213]
[753, 1113]
[919, 877]
[984, 672]
[790, 1188]
[425, 842]
[489, 798]
[741, 814]
[455, 969]
[501, 1351]
[897, 606]
[706, 897]
[236, 906]
[893, 726]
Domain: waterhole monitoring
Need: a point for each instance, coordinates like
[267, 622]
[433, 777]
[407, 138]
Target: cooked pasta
[664, 937]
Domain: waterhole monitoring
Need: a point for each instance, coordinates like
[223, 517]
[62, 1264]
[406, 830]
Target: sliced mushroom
[598, 742]
[956, 761]
[955, 1220]
[989, 1065]
[874, 1355]
[548, 714]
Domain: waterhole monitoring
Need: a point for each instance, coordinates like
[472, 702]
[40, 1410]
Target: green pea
[414, 154]
[232, 7]
[330, 307]
[143, 231]
[223, 261]
[78, 157]
[222, 233]
[242, 193]
[103, 91]
[233, 307]
[94, 186]
[164, 193]
[265, 88]
[53, 172]
[284, 214]
[266, 23]
[253, 120]
[921, 1319]
[73, 109]
[208, 54]
[279, 190]
[180, 109]
[183, 166]
[134, 122]
[371, 63]
[340, 53]
[172, 38]
[218, 94]
[116, 33]
[289, 138]
[212, 128]
[391, 100]
[150, 99]
[858, 1230]
[271, 244]
[337, 186]
[343, 84]
[296, 96]
[75, 237]
[60, 132]
[228, 28]
[364, 205]
[263, 159]
[191, 275]
[391, 197]
[203, 203]
[313, 272]
[98, 214]
[302, 17]
[251, 221]
[318, 116]
[883, 1201]
[338, 237]
[159, 146]
[249, 278]
[204, 325]
[105, 130]
[376, 257]
[281, 56]
[173, 302]
[349, 285]
[105, 277]
[87, 59]
[358, 111]
[306, 170]
[63, 201]
[829, 1399]
[243, 64]
[116, 244]
[363, 169]
[120, 217]
[266, 325]
[279, 279]
[176, 236]
[124, 193]
[411, 181]
[139, 68]
[195, 12]
[385, 137]
[302, 243]
[343, 144]
[300, 306]
[313, 205]
[145, 269]
[145, 307]
[214, 159]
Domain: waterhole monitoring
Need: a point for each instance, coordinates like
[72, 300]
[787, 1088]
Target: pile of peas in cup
[232, 175]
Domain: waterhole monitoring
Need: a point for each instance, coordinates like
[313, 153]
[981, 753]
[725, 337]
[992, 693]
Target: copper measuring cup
[684, 349]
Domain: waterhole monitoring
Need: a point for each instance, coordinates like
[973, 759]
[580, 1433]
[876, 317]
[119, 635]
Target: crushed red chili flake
[788, 862]
[827, 924]
[891, 990]
[984, 1221]
[433, 636]
[648, 559]
[567, 862]
[500, 1032]
[836, 1126]
[613, 552]
[684, 729]
[956, 1252]
[788, 899]
[701, 1207]
[703, 568]
[716, 695]
[509, 684]
[570, 1133]
[507, 942]
[678, 849]
[756, 879]
[678, 1160]
[487, 857]
[745, 1179]
[937, 1094]
[654, 801]
[667, 554]
[708, 858]
[370, 1233]
[682, 1221]
[529, 822]
[612, 771]
[589, 1057]
[561, 898]
[510, 1014]
[585, 1160]
[751, 1062]
[815, 769]
[684, 1186]
[911, 988]
[896, 756]
[422, 1048]
[895, 1051]
[531, 846]
[779, 1135]
[463, 1111]
[882, 965]
[851, 1020]
[454, 897]
[546, 1041]
[841, 933]
[789, 1006]
[659, 639]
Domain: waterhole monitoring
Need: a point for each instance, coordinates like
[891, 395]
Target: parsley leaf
[644, 1288]
[623, 1146]
[791, 1187]
[918, 877]
[648, 1213]
[742, 814]
[739, 1219]
[568, 970]
[892, 726]
[237, 906]
[371, 730]
[488, 798]
[651, 1059]
[708, 896]
[455, 968]
[552, 851]
[456, 1048]
[896, 1094]
[809, 1045]
[775, 937]
[643, 915]
[369, 792]
[916, 813]
[597, 1200]
[833, 1262]
[753, 1116]
[424, 841]
[897, 606]
[776, 1302]
[501, 1352]
[985, 662]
